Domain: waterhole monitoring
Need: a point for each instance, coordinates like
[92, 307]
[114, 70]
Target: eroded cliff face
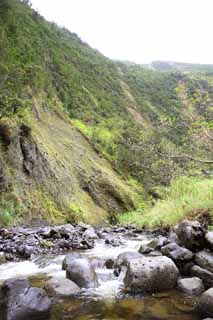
[49, 171]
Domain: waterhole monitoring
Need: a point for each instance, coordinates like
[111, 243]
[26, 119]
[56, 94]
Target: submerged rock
[81, 272]
[192, 286]
[62, 287]
[151, 274]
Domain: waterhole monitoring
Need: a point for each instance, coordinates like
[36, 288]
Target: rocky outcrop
[151, 274]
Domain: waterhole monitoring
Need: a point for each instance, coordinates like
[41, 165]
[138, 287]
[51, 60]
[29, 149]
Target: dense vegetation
[154, 124]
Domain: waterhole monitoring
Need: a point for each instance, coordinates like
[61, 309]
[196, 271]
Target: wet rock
[191, 234]
[152, 245]
[155, 254]
[205, 305]
[151, 274]
[147, 247]
[204, 259]
[97, 263]
[209, 240]
[109, 263]
[21, 301]
[90, 233]
[69, 259]
[115, 242]
[205, 275]
[175, 252]
[81, 272]
[191, 286]
[125, 258]
[62, 287]
[173, 237]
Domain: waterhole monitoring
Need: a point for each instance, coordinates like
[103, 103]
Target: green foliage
[11, 210]
[186, 197]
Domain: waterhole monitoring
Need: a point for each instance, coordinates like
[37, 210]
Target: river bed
[107, 300]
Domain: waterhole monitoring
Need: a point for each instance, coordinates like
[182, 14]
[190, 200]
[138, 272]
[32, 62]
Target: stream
[106, 301]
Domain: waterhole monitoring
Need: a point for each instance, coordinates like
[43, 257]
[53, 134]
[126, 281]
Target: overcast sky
[138, 30]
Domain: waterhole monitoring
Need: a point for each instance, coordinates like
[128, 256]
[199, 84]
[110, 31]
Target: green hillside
[84, 137]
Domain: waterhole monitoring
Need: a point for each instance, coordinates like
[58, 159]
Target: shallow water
[106, 301]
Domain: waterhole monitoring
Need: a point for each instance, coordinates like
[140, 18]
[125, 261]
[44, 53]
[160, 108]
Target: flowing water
[106, 301]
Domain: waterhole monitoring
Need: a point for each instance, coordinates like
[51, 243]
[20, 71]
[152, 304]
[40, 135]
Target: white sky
[138, 30]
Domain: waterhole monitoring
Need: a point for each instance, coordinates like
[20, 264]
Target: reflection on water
[169, 306]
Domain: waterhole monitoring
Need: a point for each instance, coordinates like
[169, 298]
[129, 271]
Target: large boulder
[21, 301]
[205, 305]
[181, 256]
[61, 287]
[191, 234]
[82, 273]
[205, 275]
[191, 286]
[151, 274]
[204, 259]
[69, 259]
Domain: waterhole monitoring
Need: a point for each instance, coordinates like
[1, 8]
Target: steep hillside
[84, 137]
[49, 170]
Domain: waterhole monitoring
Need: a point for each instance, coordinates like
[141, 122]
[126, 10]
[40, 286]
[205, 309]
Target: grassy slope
[185, 198]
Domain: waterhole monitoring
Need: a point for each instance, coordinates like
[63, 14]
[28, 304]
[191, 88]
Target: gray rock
[191, 286]
[204, 259]
[175, 252]
[81, 272]
[125, 257]
[69, 259]
[153, 245]
[20, 301]
[205, 275]
[209, 240]
[205, 305]
[62, 287]
[191, 234]
[90, 233]
[151, 274]
[97, 263]
[149, 246]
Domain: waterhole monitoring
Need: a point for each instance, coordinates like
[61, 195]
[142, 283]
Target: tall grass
[184, 198]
